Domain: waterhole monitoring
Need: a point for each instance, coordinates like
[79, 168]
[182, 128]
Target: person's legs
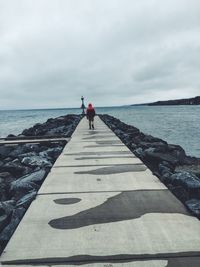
[89, 124]
[92, 124]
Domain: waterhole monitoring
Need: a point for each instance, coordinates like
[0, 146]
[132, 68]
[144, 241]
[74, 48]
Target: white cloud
[113, 52]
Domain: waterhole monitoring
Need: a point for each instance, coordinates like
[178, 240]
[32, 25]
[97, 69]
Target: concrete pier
[101, 206]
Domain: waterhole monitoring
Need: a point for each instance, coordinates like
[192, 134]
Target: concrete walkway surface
[101, 206]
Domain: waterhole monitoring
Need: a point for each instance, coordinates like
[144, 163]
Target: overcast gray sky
[114, 52]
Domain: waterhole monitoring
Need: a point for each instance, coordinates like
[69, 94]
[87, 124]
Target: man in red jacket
[90, 112]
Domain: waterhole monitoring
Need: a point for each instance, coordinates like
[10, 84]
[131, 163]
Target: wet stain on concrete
[67, 201]
[114, 169]
[99, 136]
[102, 153]
[176, 259]
[106, 157]
[108, 142]
[95, 132]
[184, 262]
[105, 145]
[124, 206]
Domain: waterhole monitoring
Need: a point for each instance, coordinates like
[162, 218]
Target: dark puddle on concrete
[106, 157]
[67, 201]
[120, 168]
[99, 136]
[102, 153]
[124, 206]
[105, 145]
[176, 259]
[94, 132]
[109, 142]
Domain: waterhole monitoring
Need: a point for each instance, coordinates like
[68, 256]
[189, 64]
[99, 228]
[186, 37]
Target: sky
[113, 52]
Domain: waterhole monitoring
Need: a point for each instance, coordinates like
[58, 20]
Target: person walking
[90, 113]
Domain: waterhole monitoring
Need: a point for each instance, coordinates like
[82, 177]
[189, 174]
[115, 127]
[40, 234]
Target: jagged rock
[5, 151]
[6, 207]
[168, 165]
[8, 159]
[5, 175]
[3, 192]
[4, 220]
[26, 184]
[11, 136]
[36, 161]
[20, 149]
[33, 148]
[25, 155]
[177, 152]
[166, 177]
[194, 206]
[51, 152]
[60, 125]
[139, 152]
[58, 130]
[10, 228]
[180, 192]
[20, 188]
[26, 200]
[156, 158]
[35, 177]
[14, 168]
[188, 181]
[193, 168]
[163, 169]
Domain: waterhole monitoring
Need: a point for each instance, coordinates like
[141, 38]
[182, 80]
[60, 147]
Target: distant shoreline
[177, 102]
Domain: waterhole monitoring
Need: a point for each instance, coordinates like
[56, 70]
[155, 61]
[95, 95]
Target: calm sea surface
[175, 124]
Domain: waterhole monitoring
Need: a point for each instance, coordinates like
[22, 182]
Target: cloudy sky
[114, 52]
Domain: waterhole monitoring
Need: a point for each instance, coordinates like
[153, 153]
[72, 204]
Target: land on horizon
[184, 101]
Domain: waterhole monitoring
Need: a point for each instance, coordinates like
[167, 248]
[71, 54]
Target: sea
[178, 125]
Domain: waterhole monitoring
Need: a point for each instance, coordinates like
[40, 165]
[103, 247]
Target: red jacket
[90, 112]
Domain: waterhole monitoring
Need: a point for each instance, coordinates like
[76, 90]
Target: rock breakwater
[178, 171]
[23, 168]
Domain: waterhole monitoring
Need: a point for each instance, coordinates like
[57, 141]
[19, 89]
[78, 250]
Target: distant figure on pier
[90, 112]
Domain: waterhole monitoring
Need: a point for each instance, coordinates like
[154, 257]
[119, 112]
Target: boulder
[20, 188]
[6, 209]
[188, 181]
[194, 206]
[34, 177]
[139, 152]
[28, 154]
[193, 168]
[36, 161]
[20, 149]
[33, 147]
[4, 220]
[57, 130]
[177, 152]
[5, 151]
[26, 200]
[15, 169]
[156, 158]
[51, 152]
[163, 169]
[5, 175]
[7, 232]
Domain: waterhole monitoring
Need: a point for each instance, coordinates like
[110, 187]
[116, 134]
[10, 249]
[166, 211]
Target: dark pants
[91, 123]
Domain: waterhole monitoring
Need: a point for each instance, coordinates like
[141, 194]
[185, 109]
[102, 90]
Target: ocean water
[175, 124]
